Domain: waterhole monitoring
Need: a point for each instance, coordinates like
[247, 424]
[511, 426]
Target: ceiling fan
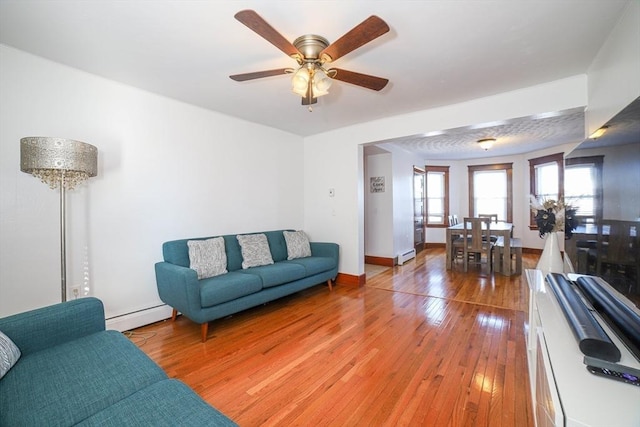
[311, 79]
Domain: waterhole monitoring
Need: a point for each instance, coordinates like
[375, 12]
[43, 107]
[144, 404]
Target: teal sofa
[204, 300]
[74, 372]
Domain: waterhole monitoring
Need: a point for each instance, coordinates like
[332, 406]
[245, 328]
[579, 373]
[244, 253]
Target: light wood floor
[417, 346]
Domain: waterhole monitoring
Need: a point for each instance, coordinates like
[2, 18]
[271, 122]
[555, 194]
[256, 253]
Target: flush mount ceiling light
[311, 80]
[599, 132]
[486, 143]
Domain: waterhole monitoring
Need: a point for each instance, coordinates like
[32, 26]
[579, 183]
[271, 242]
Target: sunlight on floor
[372, 270]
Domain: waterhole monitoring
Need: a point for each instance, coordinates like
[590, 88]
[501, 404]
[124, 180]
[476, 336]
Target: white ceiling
[436, 53]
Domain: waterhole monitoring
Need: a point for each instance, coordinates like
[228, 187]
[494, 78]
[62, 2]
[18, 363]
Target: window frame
[508, 168]
[445, 171]
[558, 158]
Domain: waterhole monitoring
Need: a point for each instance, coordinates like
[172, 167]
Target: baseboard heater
[138, 318]
[402, 258]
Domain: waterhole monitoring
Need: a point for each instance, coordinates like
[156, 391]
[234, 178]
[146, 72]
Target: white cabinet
[564, 393]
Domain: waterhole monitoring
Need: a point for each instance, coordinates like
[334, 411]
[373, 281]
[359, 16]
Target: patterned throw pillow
[255, 250]
[9, 354]
[207, 257]
[297, 244]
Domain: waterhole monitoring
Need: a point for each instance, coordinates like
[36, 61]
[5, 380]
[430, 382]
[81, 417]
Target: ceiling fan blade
[259, 74]
[252, 20]
[364, 80]
[369, 29]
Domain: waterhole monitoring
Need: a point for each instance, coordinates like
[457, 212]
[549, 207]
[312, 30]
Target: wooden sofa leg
[174, 314]
[204, 330]
[330, 285]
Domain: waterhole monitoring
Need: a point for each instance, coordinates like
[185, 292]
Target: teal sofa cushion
[227, 287]
[44, 327]
[166, 403]
[67, 383]
[277, 274]
[315, 265]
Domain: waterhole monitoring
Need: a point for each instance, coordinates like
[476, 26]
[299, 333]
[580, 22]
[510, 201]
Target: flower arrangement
[552, 216]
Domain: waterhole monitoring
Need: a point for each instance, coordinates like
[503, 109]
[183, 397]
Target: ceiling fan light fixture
[486, 143]
[321, 81]
[300, 80]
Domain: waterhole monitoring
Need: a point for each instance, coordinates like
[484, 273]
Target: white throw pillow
[9, 354]
[297, 244]
[207, 257]
[255, 250]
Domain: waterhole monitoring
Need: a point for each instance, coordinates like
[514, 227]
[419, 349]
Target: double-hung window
[437, 195]
[491, 190]
[546, 180]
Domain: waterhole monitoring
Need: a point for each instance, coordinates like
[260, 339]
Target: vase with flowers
[552, 217]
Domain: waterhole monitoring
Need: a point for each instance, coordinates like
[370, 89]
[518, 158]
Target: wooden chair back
[477, 240]
[492, 217]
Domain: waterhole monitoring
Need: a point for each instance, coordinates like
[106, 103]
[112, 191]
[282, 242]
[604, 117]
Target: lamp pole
[63, 241]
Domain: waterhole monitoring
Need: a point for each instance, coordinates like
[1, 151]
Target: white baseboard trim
[139, 318]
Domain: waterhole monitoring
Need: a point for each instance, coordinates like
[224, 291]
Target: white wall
[403, 209]
[378, 239]
[166, 170]
[613, 74]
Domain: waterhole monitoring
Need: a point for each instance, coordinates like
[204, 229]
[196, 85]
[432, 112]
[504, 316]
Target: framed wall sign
[377, 184]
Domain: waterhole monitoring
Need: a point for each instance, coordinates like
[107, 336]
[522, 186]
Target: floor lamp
[62, 163]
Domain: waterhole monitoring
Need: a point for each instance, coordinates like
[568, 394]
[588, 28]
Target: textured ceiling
[437, 53]
[515, 136]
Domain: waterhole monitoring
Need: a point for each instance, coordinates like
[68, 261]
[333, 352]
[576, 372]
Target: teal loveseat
[204, 300]
[72, 371]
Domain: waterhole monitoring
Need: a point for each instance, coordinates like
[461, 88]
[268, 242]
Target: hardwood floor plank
[417, 345]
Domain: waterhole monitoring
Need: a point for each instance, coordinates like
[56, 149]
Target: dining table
[496, 228]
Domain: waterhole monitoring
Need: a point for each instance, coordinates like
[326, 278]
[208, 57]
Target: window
[546, 180]
[437, 196]
[491, 190]
[583, 187]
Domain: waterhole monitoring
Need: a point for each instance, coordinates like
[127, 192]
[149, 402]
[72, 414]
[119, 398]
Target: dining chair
[456, 240]
[477, 242]
[493, 218]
